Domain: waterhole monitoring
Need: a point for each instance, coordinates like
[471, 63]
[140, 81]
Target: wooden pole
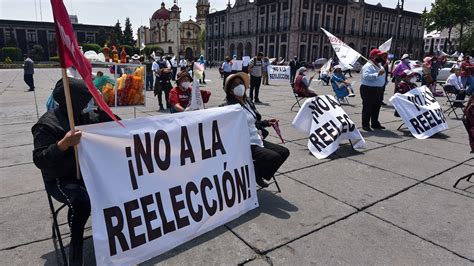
[70, 116]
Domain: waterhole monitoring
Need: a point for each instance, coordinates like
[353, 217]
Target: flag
[142, 40]
[347, 56]
[385, 47]
[70, 55]
[196, 102]
[326, 67]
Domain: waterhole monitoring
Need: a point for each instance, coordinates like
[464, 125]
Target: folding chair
[56, 233]
[272, 182]
[297, 98]
[450, 92]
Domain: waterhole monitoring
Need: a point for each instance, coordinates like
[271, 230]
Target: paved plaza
[390, 204]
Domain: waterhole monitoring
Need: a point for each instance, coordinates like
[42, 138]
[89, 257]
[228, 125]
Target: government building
[288, 28]
[173, 35]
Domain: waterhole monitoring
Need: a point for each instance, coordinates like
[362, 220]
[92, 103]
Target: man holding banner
[371, 90]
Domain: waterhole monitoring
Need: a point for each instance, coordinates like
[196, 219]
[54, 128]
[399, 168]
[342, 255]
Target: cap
[375, 52]
[405, 56]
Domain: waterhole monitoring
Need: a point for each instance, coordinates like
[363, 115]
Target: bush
[37, 54]
[13, 52]
[90, 46]
[7, 61]
[150, 48]
[54, 58]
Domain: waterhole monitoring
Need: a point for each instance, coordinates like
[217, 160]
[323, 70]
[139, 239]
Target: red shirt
[177, 95]
[467, 69]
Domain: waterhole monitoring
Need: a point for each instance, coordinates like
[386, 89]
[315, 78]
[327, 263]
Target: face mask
[413, 80]
[239, 90]
[406, 61]
[186, 85]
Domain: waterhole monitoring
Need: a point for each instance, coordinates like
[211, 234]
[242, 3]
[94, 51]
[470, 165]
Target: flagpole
[70, 116]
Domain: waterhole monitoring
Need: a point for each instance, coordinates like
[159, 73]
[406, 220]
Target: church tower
[202, 7]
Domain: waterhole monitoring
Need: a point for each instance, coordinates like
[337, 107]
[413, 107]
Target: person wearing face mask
[302, 83]
[255, 69]
[400, 68]
[371, 90]
[54, 155]
[455, 81]
[341, 86]
[267, 156]
[429, 70]
[227, 69]
[180, 96]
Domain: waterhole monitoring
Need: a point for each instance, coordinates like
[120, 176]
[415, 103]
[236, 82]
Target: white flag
[326, 67]
[196, 102]
[385, 47]
[347, 56]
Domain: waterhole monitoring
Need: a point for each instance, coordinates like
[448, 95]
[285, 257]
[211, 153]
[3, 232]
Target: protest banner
[420, 112]
[162, 181]
[278, 72]
[326, 124]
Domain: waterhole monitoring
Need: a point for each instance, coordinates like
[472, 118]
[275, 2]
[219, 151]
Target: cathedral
[174, 36]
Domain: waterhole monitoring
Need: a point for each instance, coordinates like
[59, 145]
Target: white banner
[278, 72]
[420, 112]
[326, 124]
[347, 56]
[385, 47]
[164, 180]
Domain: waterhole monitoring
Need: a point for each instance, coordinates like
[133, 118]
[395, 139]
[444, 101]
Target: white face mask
[186, 85]
[413, 80]
[239, 90]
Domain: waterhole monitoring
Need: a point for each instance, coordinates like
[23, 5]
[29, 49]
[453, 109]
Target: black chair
[454, 104]
[272, 182]
[56, 235]
[297, 98]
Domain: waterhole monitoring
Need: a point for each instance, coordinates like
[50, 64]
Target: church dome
[162, 13]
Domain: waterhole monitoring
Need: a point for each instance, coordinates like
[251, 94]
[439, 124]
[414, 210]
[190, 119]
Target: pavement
[390, 204]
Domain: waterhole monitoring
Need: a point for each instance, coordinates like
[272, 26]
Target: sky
[100, 12]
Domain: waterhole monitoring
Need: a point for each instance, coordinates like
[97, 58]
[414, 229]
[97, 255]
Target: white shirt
[455, 81]
[155, 67]
[255, 138]
[183, 63]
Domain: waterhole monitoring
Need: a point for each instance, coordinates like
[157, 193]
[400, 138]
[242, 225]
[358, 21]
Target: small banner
[326, 124]
[164, 180]
[385, 47]
[278, 72]
[420, 112]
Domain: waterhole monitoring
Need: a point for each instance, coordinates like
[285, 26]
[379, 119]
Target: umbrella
[320, 61]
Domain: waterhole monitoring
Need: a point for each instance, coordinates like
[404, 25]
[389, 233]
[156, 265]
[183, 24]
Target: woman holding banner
[54, 154]
[268, 157]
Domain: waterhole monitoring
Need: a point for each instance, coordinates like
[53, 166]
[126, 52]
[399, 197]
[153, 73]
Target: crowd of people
[54, 141]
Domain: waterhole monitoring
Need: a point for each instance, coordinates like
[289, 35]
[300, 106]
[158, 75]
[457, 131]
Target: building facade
[26, 34]
[173, 35]
[287, 28]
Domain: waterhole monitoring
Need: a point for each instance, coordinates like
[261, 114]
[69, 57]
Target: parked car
[443, 73]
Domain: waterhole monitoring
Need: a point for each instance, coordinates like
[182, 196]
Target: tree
[101, 37]
[118, 34]
[37, 53]
[128, 33]
[447, 14]
[202, 39]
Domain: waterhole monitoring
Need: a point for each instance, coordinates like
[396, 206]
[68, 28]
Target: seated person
[180, 96]
[407, 81]
[268, 157]
[302, 83]
[341, 86]
[54, 155]
[454, 80]
[325, 77]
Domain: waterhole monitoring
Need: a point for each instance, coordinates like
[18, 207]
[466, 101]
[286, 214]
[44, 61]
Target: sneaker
[368, 129]
[383, 104]
[351, 95]
[257, 101]
[378, 127]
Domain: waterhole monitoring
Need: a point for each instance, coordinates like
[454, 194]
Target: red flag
[71, 55]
